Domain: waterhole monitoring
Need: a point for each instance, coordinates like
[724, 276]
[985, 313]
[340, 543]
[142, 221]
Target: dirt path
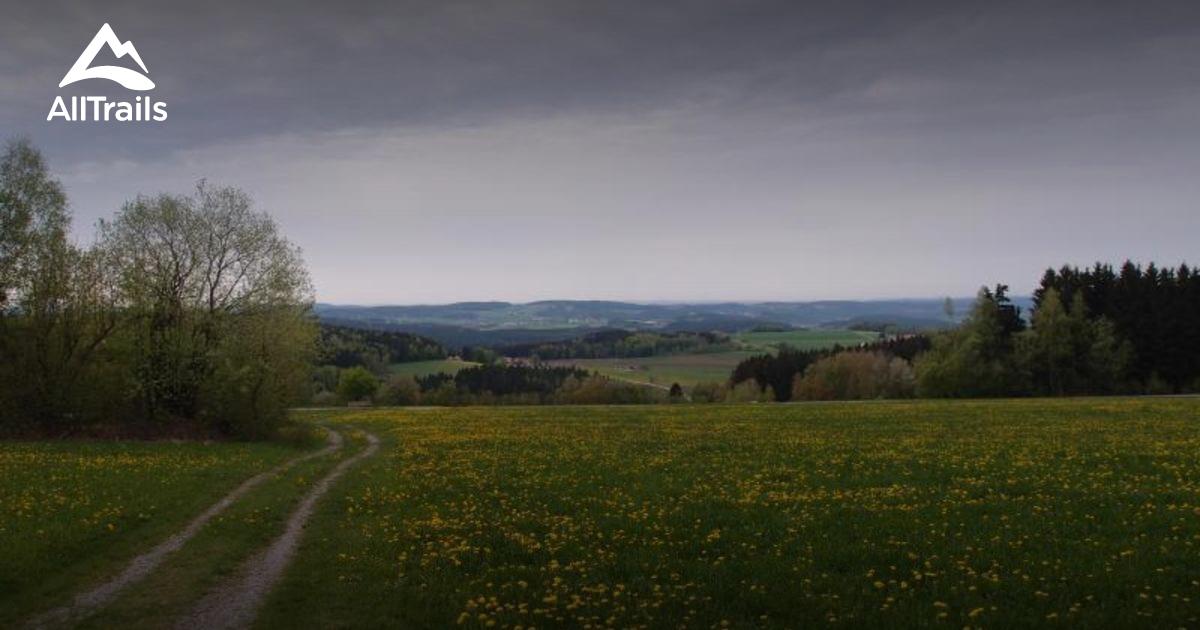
[235, 603]
[88, 602]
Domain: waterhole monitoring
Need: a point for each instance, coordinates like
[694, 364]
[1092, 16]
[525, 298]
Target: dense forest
[501, 380]
[1090, 331]
[1156, 310]
[345, 347]
[621, 344]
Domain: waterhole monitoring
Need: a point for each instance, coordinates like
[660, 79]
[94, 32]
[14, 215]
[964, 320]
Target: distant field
[424, 368]
[685, 369]
[1080, 513]
[689, 369]
[804, 339]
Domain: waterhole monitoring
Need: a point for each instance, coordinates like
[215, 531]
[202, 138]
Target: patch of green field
[72, 513]
[988, 513]
[425, 368]
[689, 369]
[803, 339]
[663, 370]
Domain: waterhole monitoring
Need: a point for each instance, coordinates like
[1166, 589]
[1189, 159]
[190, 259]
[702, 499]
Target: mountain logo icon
[130, 79]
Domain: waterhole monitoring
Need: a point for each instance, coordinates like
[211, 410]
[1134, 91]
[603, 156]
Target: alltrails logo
[99, 108]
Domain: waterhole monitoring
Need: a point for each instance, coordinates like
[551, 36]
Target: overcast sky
[440, 151]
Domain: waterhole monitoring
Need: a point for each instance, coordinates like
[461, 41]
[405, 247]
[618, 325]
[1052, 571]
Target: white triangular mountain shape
[128, 78]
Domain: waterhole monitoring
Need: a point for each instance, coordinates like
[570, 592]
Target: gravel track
[235, 602]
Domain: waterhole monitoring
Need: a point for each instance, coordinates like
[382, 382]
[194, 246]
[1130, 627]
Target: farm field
[425, 368]
[954, 514]
[692, 368]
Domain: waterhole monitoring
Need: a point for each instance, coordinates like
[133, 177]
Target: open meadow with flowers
[74, 512]
[929, 513]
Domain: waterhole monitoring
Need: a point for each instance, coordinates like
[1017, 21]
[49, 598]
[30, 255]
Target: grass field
[73, 512]
[424, 368]
[946, 514]
[689, 369]
[925, 513]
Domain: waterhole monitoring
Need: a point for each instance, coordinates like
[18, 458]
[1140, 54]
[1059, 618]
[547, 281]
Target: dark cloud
[800, 108]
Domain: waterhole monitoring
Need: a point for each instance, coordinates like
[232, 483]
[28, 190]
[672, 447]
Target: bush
[324, 399]
[749, 391]
[400, 391]
[708, 392]
[599, 390]
[356, 384]
[855, 376]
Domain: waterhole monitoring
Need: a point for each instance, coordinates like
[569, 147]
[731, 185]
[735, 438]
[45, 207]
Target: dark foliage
[349, 347]
[515, 379]
[778, 371]
[1157, 310]
[503, 380]
[619, 344]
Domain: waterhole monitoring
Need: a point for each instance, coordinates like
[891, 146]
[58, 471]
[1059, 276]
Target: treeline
[621, 344]
[490, 385]
[1155, 310]
[189, 313]
[1091, 332]
[345, 347]
[777, 375]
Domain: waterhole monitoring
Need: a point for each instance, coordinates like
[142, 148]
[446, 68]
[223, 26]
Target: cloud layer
[763, 150]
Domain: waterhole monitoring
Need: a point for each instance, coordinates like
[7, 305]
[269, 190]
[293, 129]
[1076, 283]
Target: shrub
[708, 392]
[356, 384]
[400, 391]
[855, 376]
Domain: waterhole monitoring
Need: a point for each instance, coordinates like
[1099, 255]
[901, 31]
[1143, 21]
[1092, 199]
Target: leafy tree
[33, 216]
[400, 391]
[1151, 309]
[977, 359]
[708, 392]
[1066, 353]
[855, 376]
[218, 303]
[948, 309]
[56, 304]
[356, 384]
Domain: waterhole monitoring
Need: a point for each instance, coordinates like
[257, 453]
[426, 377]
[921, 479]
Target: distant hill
[490, 323]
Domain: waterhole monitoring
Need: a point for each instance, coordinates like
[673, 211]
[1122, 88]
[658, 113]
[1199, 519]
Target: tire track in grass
[235, 603]
[89, 601]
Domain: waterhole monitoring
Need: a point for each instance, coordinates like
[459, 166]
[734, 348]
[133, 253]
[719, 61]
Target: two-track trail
[235, 603]
[89, 601]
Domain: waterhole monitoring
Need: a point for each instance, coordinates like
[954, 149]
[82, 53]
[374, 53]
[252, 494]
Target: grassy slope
[72, 513]
[995, 513]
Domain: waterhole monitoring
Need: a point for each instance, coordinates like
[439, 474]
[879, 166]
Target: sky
[443, 150]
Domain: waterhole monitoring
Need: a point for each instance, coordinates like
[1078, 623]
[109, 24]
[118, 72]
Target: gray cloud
[450, 150]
